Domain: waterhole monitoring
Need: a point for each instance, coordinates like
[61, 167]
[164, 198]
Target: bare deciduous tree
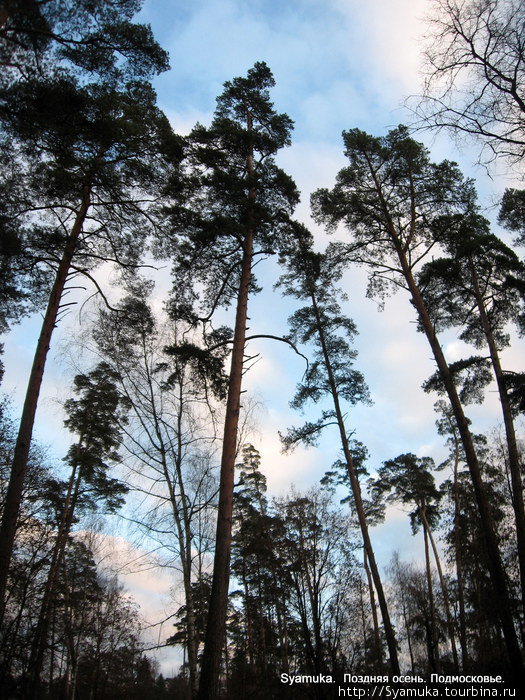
[475, 74]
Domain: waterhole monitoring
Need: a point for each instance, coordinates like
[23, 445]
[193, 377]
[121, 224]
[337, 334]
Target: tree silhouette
[310, 277]
[393, 200]
[234, 207]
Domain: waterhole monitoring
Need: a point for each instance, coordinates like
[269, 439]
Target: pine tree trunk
[216, 622]
[434, 645]
[512, 445]
[40, 637]
[377, 639]
[444, 591]
[495, 564]
[458, 560]
[21, 454]
[356, 492]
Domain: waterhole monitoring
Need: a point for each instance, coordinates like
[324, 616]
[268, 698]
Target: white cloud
[183, 121]
[299, 467]
[389, 34]
[151, 587]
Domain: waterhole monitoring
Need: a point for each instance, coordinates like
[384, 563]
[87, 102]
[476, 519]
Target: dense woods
[97, 194]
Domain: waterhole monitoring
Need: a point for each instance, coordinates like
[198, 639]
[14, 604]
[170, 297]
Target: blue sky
[331, 59]
[338, 64]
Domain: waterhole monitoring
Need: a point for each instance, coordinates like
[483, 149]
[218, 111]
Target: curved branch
[282, 340]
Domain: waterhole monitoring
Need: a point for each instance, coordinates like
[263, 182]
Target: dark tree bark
[23, 443]
[494, 559]
[356, 492]
[215, 628]
[515, 466]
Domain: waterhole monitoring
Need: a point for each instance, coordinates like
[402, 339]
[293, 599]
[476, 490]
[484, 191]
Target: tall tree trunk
[497, 572]
[458, 559]
[216, 623]
[495, 564]
[512, 445]
[444, 590]
[21, 454]
[356, 492]
[377, 639]
[434, 644]
[38, 645]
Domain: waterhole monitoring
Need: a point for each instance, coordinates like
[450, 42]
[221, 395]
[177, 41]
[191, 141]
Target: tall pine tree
[96, 158]
[310, 277]
[392, 199]
[236, 205]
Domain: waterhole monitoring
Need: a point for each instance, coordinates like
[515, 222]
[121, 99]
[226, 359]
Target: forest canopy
[285, 445]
